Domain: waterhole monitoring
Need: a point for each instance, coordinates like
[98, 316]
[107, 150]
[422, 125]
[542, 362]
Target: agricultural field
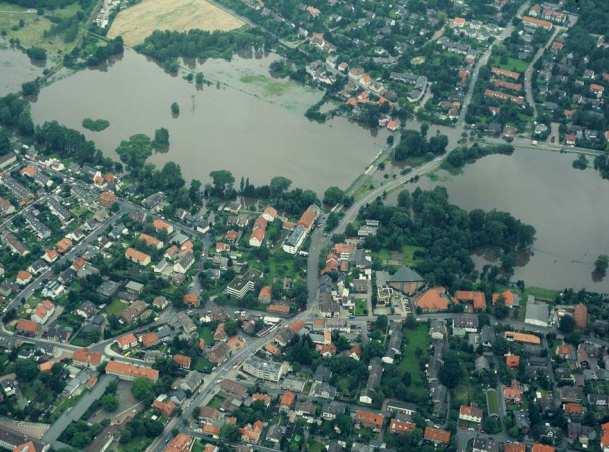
[136, 23]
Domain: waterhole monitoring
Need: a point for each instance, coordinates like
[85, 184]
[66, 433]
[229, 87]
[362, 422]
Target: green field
[512, 64]
[116, 307]
[541, 293]
[31, 34]
[492, 402]
[415, 339]
[361, 307]
[207, 335]
[269, 86]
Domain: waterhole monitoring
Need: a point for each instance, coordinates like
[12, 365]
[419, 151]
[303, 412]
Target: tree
[279, 185]
[404, 199]
[26, 370]
[450, 373]
[333, 196]
[223, 181]
[231, 327]
[175, 109]
[30, 88]
[143, 390]
[134, 152]
[5, 142]
[36, 53]
[161, 139]
[601, 264]
[109, 403]
[566, 324]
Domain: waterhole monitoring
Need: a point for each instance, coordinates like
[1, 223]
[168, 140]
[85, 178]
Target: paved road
[528, 75]
[78, 410]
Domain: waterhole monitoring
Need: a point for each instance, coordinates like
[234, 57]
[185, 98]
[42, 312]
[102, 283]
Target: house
[133, 312]
[244, 283]
[130, 372]
[149, 339]
[485, 444]
[538, 447]
[44, 310]
[436, 435]
[470, 413]
[160, 225]
[580, 315]
[514, 447]
[508, 297]
[160, 303]
[184, 262]
[433, 300]
[126, 341]
[150, 241]
[463, 324]
[476, 298]
[369, 419]
[164, 406]
[605, 436]
[182, 442]
[524, 338]
[405, 280]
[182, 360]
[513, 393]
[286, 401]
[399, 427]
[269, 214]
[63, 246]
[50, 256]
[265, 295]
[265, 370]
[258, 232]
[250, 433]
[27, 327]
[23, 278]
[294, 240]
[375, 372]
[137, 256]
[191, 299]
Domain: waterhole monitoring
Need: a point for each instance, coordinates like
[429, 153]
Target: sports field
[134, 24]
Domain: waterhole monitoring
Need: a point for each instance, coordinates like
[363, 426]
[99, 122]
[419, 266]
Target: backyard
[416, 341]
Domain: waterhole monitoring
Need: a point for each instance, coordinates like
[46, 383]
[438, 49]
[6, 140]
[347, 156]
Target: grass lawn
[409, 251]
[269, 86]
[314, 446]
[139, 443]
[116, 307]
[513, 64]
[541, 293]
[492, 402]
[216, 402]
[361, 307]
[203, 365]
[415, 339]
[206, 333]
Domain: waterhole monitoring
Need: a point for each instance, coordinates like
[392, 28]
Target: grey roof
[405, 274]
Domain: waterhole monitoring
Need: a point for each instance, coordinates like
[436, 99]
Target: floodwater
[15, 69]
[254, 127]
[566, 206]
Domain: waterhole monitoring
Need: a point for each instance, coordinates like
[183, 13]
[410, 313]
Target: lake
[566, 206]
[255, 127]
[15, 69]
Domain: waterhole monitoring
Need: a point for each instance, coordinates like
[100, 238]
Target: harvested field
[138, 22]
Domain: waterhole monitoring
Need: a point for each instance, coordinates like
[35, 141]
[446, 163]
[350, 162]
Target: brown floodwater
[567, 207]
[254, 127]
[15, 69]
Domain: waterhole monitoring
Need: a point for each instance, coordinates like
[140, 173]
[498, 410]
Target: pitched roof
[538, 447]
[120, 368]
[433, 299]
[475, 297]
[405, 274]
[514, 447]
[436, 435]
